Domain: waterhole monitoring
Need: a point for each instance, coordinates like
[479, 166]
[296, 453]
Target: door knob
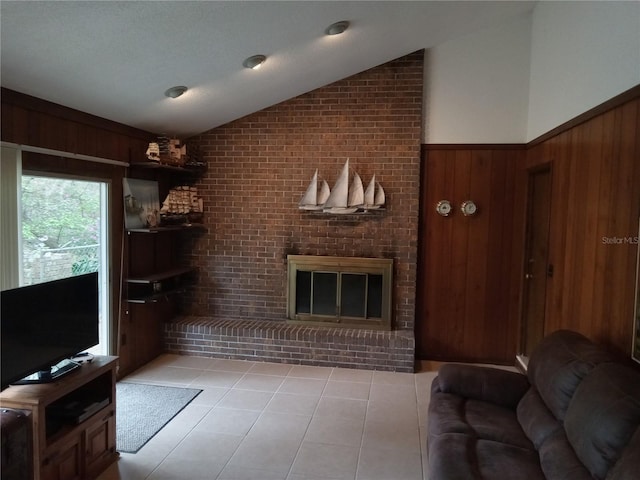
[528, 276]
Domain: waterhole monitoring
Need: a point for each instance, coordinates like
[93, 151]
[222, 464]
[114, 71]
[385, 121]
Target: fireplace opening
[340, 291]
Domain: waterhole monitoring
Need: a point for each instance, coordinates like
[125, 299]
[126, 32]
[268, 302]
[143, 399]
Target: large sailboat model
[374, 197]
[312, 198]
[344, 198]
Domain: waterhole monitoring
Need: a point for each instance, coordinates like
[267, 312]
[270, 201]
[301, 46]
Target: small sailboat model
[374, 197]
[312, 199]
[345, 199]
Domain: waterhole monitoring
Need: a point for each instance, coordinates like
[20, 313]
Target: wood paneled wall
[31, 121]
[471, 269]
[595, 207]
[468, 291]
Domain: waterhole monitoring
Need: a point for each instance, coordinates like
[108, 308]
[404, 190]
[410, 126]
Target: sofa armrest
[500, 387]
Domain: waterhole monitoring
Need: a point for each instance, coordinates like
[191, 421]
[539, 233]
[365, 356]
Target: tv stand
[73, 421]
[54, 373]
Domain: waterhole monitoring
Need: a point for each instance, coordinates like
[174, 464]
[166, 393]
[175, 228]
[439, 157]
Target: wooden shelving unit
[74, 446]
[154, 277]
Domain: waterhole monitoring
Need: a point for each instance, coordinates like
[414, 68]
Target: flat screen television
[44, 324]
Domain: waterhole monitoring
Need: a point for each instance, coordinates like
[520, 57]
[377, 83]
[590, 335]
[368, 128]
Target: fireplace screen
[340, 291]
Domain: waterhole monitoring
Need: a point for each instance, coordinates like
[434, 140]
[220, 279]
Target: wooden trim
[618, 100]
[473, 146]
[11, 97]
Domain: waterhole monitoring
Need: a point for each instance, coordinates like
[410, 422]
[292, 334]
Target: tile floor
[268, 421]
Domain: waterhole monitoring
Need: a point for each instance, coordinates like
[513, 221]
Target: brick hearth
[270, 341]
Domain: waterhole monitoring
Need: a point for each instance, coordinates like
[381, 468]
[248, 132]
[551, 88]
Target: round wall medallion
[468, 208]
[443, 207]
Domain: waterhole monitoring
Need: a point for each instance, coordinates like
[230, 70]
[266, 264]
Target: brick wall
[259, 167]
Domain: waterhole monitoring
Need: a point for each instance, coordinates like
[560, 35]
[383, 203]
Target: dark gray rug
[142, 411]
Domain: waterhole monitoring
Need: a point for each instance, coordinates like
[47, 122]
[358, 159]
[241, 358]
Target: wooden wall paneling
[595, 196]
[476, 325]
[433, 315]
[465, 293]
[627, 210]
[603, 289]
[459, 255]
[590, 151]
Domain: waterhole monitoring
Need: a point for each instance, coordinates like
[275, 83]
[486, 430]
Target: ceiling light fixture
[175, 92]
[254, 61]
[337, 28]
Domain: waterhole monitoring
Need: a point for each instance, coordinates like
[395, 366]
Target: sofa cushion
[493, 385]
[557, 366]
[558, 460]
[603, 416]
[457, 456]
[535, 418]
[628, 465]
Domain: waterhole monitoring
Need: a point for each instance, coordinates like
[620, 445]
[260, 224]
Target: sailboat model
[345, 199]
[374, 195]
[312, 199]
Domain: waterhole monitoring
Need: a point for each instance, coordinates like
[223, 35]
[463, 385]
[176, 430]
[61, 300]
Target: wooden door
[467, 293]
[536, 268]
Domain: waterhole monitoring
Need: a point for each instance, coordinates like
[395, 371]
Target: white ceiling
[115, 59]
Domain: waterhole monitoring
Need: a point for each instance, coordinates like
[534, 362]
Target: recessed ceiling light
[254, 61]
[175, 92]
[337, 28]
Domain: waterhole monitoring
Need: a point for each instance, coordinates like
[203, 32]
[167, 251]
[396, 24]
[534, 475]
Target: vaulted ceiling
[115, 59]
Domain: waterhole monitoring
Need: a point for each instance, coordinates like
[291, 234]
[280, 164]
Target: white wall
[582, 54]
[477, 86]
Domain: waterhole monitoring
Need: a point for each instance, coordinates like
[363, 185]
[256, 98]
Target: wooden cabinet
[73, 421]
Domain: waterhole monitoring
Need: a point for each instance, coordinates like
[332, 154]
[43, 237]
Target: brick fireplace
[259, 167]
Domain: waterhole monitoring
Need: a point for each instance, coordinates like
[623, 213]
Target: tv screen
[45, 323]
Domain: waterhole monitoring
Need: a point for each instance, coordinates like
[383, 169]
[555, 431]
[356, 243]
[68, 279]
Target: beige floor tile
[391, 435]
[167, 375]
[190, 416]
[326, 461]
[245, 399]
[303, 386]
[187, 361]
[402, 396]
[342, 407]
[265, 383]
[292, 404]
[280, 426]
[351, 375]
[305, 371]
[375, 464]
[273, 456]
[178, 469]
[265, 368]
[382, 411]
[210, 378]
[210, 396]
[244, 473]
[318, 425]
[393, 378]
[358, 391]
[335, 431]
[199, 444]
[228, 420]
[227, 365]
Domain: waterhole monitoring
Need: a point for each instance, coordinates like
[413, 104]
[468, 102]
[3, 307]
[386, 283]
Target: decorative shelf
[168, 228]
[197, 170]
[157, 286]
[160, 276]
[156, 297]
